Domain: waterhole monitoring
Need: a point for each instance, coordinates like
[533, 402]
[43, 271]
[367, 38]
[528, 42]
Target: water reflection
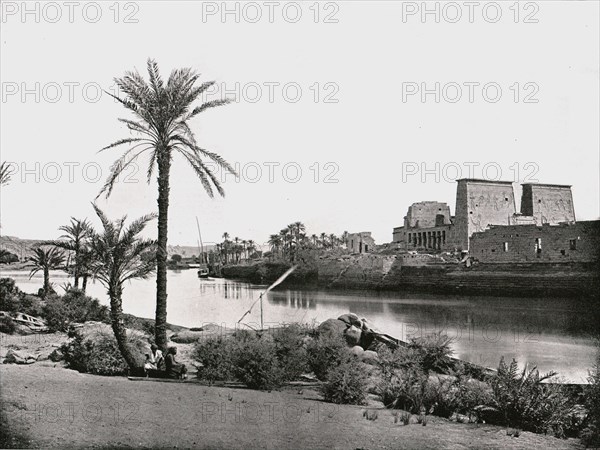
[554, 334]
[293, 299]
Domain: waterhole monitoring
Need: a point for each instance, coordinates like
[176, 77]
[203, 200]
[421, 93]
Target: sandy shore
[46, 405]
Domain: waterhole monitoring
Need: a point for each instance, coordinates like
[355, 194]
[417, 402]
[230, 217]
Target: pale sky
[367, 143]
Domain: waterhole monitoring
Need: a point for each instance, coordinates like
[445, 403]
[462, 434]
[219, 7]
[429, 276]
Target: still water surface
[553, 334]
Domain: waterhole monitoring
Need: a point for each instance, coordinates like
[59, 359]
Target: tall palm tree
[225, 246]
[314, 239]
[4, 173]
[162, 112]
[250, 249]
[275, 242]
[75, 241]
[245, 249]
[333, 239]
[324, 240]
[46, 259]
[121, 255]
[345, 238]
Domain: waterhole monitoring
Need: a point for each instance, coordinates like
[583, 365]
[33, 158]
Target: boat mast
[201, 244]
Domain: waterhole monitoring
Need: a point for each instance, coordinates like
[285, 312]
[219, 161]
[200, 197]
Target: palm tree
[333, 239]
[345, 238]
[314, 239]
[4, 173]
[225, 246]
[251, 248]
[245, 248]
[323, 240]
[46, 259]
[121, 255]
[75, 240]
[275, 242]
[162, 112]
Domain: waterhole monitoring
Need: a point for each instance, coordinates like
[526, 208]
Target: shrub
[260, 360]
[7, 325]
[73, 307]
[215, 354]
[346, 383]
[524, 401]
[31, 304]
[433, 351]
[326, 352]
[590, 436]
[8, 257]
[9, 295]
[255, 362]
[99, 353]
[290, 351]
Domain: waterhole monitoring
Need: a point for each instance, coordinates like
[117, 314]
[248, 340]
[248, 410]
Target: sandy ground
[45, 405]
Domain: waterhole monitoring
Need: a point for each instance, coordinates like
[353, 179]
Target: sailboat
[203, 267]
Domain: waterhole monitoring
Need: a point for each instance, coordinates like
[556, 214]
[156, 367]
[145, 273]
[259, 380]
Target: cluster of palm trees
[236, 250]
[113, 255]
[292, 239]
[159, 129]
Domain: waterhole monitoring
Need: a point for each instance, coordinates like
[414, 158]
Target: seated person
[174, 369]
[154, 360]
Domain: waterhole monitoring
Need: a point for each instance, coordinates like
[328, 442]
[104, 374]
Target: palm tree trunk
[76, 273]
[160, 327]
[46, 281]
[84, 283]
[116, 316]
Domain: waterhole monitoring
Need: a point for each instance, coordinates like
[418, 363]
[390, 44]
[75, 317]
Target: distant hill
[20, 247]
[23, 247]
[187, 251]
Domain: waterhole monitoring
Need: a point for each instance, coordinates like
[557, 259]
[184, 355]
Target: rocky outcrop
[19, 357]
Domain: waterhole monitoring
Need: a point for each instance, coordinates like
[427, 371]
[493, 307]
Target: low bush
[325, 352]
[73, 307]
[7, 325]
[406, 382]
[9, 295]
[524, 401]
[255, 361]
[346, 383]
[290, 350]
[433, 351]
[13, 300]
[245, 356]
[99, 354]
[215, 354]
[590, 436]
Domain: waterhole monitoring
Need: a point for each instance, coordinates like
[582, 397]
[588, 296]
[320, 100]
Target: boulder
[357, 350]
[352, 335]
[350, 319]
[187, 336]
[19, 357]
[332, 326]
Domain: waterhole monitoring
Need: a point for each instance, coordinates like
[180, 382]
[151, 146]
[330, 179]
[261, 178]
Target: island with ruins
[486, 247]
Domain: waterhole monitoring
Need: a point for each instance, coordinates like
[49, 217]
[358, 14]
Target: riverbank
[53, 407]
[400, 273]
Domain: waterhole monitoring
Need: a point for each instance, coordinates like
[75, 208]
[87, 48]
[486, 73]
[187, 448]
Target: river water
[552, 334]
